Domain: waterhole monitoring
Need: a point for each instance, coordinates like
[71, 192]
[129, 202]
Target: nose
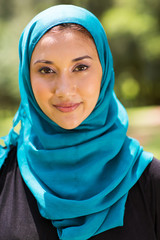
[65, 86]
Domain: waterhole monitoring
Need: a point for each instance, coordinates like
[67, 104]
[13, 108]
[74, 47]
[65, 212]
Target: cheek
[40, 91]
[91, 90]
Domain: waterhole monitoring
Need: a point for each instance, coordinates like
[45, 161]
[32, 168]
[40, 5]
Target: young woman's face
[66, 75]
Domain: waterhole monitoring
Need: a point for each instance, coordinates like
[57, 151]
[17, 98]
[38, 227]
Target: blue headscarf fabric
[80, 177]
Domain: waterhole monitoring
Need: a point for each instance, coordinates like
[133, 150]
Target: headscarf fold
[80, 177]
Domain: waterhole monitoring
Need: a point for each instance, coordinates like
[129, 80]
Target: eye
[46, 70]
[80, 68]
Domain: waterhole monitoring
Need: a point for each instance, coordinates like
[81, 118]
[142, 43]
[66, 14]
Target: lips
[67, 107]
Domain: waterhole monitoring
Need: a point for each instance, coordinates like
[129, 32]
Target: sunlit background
[133, 31]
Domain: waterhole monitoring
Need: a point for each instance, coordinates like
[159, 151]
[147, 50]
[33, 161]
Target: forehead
[55, 34]
[65, 40]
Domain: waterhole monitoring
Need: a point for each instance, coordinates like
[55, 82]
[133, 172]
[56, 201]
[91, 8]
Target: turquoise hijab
[80, 177]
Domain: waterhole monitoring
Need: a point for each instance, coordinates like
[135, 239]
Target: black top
[20, 218]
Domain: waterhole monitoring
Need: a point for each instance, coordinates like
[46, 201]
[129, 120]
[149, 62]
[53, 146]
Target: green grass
[144, 125]
[6, 124]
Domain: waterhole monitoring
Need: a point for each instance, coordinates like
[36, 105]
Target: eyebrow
[81, 58]
[43, 61]
[74, 60]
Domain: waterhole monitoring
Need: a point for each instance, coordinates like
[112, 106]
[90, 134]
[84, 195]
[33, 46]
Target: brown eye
[80, 68]
[46, 70]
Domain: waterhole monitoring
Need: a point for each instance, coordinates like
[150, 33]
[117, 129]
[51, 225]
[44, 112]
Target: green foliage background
[133, 31]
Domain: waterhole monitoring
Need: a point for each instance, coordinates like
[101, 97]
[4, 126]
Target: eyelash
[80, 68]
[48, 70]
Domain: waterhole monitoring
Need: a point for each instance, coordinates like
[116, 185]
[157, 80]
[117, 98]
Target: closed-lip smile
[66, 107]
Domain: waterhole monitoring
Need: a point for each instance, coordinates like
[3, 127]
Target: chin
[69, 126]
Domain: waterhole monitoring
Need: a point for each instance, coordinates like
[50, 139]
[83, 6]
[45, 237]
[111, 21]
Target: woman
[72, 173]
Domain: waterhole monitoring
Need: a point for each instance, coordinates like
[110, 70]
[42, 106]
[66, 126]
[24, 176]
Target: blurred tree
[6, 9]
[134, 38]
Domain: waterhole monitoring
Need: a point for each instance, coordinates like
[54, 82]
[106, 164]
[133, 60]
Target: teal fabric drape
[80, 177]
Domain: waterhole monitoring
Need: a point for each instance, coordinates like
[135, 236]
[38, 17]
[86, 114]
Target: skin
[66, 74]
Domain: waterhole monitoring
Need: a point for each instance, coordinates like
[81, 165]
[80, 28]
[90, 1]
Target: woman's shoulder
[147, 191]
[145, 195]
[13, 151]
[152, 173]
[10, 159]
[154, 169]
[14, 192]
[149, 182]
[152, 182]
